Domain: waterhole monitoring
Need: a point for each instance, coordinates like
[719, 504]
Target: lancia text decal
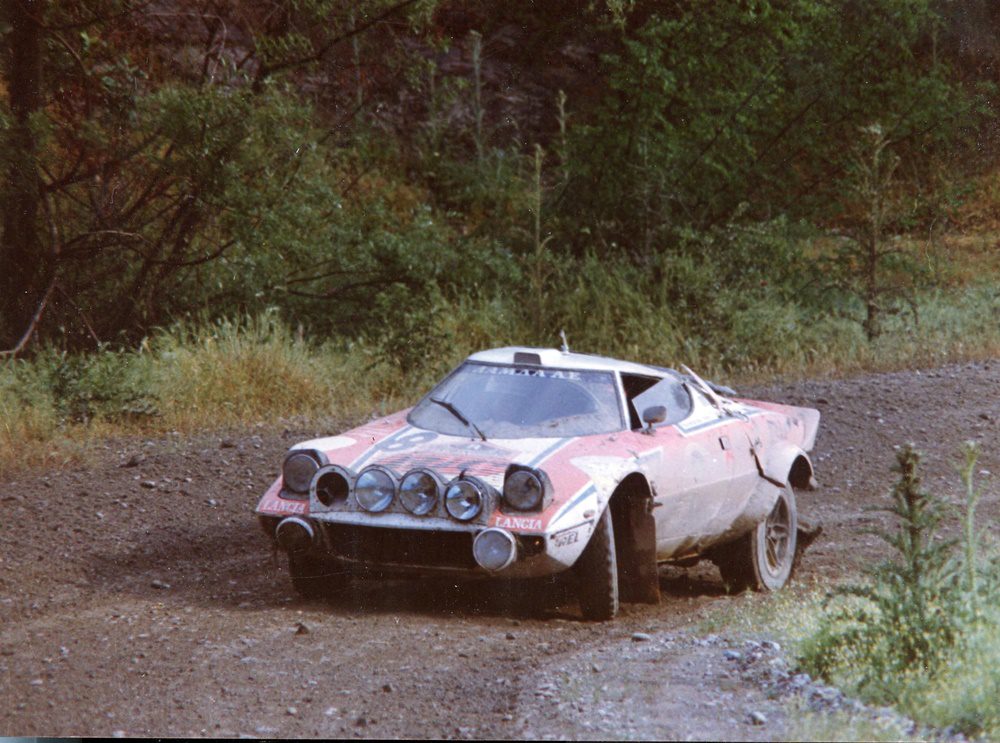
[518, 522]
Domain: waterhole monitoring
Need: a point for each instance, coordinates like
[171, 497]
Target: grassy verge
[805, 724]
[257, 369]
[185, 379]
[963, 695]
[921, 634]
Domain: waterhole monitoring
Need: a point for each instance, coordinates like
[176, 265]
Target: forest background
[218, 211]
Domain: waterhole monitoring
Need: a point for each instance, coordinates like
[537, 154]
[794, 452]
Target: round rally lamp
[464, 500]
[295, 535]
[523, 490]
[494, 549]
[374, 489]
[419, 492]
[298, 470]
[332, 484]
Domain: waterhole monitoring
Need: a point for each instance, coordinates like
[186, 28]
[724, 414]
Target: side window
[644, 392]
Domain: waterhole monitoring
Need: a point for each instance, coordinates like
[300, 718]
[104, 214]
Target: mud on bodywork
[672, 490]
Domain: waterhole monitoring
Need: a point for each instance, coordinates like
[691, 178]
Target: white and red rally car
[527, 462]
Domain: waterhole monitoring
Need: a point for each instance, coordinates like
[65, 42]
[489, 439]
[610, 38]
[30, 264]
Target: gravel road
[138, 597]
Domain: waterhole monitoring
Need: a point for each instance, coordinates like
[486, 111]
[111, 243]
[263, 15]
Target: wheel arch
[801, 475]
[631, 507]
[788, 463]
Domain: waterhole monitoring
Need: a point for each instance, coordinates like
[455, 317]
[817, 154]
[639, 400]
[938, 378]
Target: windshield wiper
[458, 414]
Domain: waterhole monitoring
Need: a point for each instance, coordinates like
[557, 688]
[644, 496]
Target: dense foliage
[648, 176]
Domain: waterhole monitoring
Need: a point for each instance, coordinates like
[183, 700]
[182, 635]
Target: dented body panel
[712, 474]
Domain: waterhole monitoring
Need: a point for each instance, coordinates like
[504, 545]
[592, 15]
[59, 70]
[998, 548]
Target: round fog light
[419, 492]
[494, 549]
[332, 485]
[295, 535]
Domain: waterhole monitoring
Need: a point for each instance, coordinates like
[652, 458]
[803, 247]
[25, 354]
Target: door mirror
[653, 414]
[669, 393]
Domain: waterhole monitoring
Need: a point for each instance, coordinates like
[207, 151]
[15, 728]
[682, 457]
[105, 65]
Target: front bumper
[408, 551]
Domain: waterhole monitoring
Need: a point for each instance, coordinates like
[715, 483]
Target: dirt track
[143, 600]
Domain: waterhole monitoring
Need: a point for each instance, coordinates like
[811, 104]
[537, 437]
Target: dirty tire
[313, 578]
[597, 573]
[763, 559]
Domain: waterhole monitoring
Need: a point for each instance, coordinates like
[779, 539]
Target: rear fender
[786, 463]
[799, 427]
[761, 503]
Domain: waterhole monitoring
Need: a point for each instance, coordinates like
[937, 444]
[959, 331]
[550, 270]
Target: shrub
[241, 370]
[109, 385]
[902, 621]
[923, 632]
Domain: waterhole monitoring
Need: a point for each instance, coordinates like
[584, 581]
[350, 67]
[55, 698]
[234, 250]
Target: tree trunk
[872, 325]
[25, 269]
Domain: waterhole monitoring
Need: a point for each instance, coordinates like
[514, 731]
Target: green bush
[110, 385]
[56, 390]
[965, 694]
[904, 620]
[766, 119]
[923, 633]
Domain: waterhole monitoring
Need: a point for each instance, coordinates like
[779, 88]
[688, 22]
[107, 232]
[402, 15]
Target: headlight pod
[420, 491]
[332, 485]
[526, 488]
[465, 499]
[375, 488]
[299, 467]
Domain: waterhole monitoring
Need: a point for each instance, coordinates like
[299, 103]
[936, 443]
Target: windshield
[508, 402]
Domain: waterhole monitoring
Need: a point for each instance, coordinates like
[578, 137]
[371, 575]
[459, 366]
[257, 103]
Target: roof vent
[522, 357]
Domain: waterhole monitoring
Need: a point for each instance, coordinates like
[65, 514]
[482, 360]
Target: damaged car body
[526, 462]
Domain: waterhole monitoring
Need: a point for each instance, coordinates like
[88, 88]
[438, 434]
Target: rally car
[527, 462]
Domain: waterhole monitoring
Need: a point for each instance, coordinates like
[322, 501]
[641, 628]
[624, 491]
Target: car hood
[578, 467]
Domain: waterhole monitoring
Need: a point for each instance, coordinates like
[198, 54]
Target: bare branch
[82, 314]
[33, 325]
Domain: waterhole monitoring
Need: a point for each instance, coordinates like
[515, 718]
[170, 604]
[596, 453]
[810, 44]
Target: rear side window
[644, 392]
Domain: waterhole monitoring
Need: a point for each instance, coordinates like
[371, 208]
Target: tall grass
[235, 371]
[187, 378]
[29, 426]
[253, 369]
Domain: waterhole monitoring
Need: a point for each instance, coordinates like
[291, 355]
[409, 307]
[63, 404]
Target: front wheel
[764, 558]
[596, 573]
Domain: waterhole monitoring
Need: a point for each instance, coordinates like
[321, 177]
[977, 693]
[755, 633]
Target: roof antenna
[565, 343]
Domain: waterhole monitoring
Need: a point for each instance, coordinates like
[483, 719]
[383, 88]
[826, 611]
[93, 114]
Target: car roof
[553, 357]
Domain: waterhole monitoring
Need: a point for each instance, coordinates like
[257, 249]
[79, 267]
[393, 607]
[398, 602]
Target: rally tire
[763, 559]
[596, 573]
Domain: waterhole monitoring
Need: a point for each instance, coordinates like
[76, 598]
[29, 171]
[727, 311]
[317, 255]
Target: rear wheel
[596, 573]
[763, 559]
[313, 578]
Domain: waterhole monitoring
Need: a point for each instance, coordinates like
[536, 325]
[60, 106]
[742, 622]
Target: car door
[693, 474]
